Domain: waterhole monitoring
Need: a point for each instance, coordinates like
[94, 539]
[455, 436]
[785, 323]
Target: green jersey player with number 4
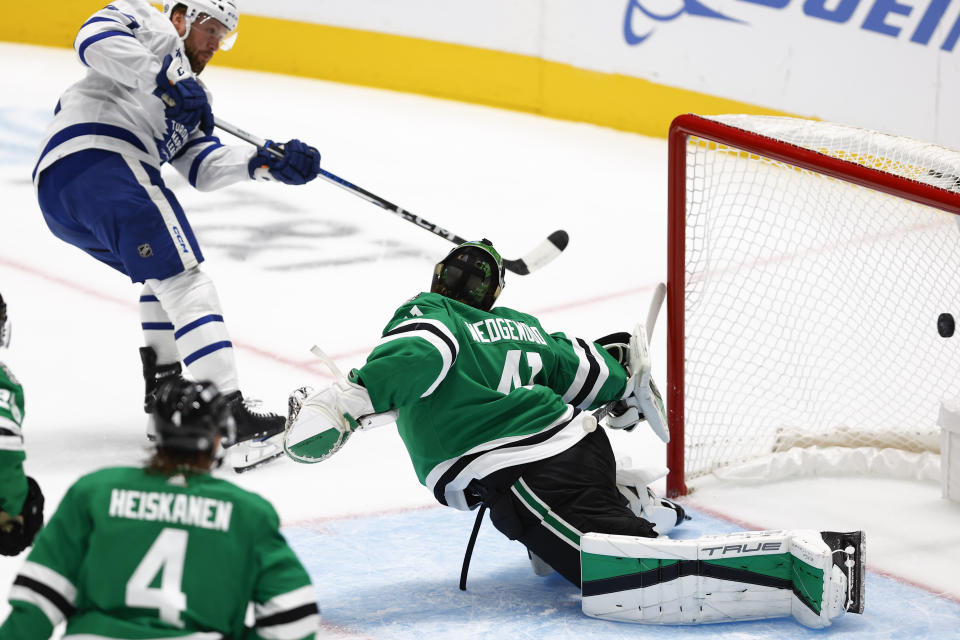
[21, 501]
[165, 551]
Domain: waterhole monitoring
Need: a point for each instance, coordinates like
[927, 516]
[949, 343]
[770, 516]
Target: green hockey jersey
[479, 391]
[13, 481]
[133, 554]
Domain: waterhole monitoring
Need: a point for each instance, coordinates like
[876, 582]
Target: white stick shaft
[327, 360]
[659, 293]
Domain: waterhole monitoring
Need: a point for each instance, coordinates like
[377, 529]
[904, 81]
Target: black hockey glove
[18, 533]
[618, 345]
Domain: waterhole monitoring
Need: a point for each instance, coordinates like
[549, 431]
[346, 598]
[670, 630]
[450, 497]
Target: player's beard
[198, 59]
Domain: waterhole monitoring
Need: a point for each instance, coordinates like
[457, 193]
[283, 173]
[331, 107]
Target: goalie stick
[659, 293]
[543, 253]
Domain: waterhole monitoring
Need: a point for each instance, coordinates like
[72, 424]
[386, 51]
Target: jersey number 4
[166, 555]
[510, 378]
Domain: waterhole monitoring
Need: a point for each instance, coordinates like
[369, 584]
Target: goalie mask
[223, 11]
[189, 416]
[4, 324]
[472, 274]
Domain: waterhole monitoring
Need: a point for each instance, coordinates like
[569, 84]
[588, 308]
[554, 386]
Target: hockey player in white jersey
[100, 189]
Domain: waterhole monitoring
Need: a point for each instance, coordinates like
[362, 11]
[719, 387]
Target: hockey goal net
[808, 264]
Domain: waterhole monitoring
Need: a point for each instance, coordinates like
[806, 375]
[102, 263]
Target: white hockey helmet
[224, 11]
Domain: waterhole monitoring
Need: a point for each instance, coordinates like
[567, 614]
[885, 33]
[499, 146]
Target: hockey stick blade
[544, 253]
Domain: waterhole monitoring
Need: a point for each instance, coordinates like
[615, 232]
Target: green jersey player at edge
[165, 550]
[21, 501]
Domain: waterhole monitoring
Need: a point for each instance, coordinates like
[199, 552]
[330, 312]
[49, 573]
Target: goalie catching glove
[643, 400]
[320, 422]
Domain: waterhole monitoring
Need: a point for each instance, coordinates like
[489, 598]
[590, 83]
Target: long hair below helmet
[472, 273]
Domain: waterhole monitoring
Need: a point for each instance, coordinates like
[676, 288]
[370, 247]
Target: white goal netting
[810, 303]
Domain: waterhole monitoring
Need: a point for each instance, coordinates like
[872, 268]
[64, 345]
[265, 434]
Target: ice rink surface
[297, 266]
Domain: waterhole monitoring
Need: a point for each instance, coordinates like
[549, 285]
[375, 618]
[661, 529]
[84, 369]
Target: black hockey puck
[945, 325]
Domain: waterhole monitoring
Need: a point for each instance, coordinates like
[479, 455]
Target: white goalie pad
[646, 392]
[724, 578]
[633, 483]
[642, 398]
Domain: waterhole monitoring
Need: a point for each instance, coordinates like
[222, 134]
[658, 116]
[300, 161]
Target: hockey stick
[543, 253]
[656, 302]
[659, 293]
[465, 567]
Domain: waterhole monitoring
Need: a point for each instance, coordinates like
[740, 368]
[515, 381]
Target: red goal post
[769, 221]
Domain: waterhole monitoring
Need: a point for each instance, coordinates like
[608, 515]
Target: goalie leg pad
[741, 576]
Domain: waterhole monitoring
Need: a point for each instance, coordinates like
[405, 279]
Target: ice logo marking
[642, 16]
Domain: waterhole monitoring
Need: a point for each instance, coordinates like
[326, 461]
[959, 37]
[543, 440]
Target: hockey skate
[252, 420]
[153, 375]
[849, 554]
[255, 453]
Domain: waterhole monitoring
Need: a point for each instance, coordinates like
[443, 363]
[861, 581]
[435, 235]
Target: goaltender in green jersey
[165, 551]
[495, 410]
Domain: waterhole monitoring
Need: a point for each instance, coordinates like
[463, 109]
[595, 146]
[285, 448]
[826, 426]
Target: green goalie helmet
[472, 273]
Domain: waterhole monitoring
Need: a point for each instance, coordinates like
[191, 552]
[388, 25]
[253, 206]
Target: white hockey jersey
[113, 107]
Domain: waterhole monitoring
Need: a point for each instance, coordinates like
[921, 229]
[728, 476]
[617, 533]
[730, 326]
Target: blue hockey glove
[184, 101]
[299, 164]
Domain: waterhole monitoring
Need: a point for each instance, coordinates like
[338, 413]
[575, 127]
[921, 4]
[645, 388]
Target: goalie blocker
[814, 576]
